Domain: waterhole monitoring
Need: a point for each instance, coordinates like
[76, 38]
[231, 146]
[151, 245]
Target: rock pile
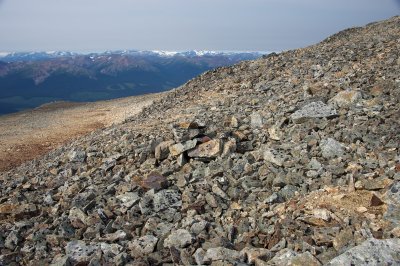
[292, 159]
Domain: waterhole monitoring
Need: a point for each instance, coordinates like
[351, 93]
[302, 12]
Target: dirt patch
[27, 135]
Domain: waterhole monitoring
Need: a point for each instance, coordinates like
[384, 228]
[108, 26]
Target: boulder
[313, 110]
[162, 150]
[371, 252]
[143, 246]
[209, 150]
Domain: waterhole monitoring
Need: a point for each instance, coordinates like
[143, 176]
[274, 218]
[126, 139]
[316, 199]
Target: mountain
[28, 80]
[290, 159]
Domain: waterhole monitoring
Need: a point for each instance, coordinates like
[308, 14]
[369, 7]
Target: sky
[178, 25]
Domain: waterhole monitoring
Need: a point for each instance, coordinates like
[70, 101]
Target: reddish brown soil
[29, 134]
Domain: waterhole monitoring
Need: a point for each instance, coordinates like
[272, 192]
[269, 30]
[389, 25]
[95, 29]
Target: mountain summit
[291, 159]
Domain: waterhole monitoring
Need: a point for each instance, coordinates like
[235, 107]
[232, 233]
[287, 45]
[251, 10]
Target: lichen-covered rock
[346, 98]
[313, 110]
[143, 245]
[371, 252]
[331, 148]
[180, 238]
[209, 150]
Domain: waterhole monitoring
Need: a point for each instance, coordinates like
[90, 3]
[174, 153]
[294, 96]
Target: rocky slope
[292, 159]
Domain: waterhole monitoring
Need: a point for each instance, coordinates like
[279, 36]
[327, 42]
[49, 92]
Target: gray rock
[110, 249]
[128, 199]
[198, 227]
[371, 252]
[12, 240]
[313, 110]
[77, 217]
[272, 156]
[199, 256]
[179, 238]
[392, 199]
[219, 192]
[167, 199]
[331, 148]
[179, 148]
[143, 245]
[159, 202]
[256, 120]
[221, 253]
[162, 150]
[290, 257]
[314, 164]
[77, 156]
[184, 134]
[79, 253]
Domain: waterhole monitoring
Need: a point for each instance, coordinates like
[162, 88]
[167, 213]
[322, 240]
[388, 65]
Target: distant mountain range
[30, 79]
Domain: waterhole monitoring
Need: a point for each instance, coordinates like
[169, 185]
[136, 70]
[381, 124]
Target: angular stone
[244, 146]
[256, 120]
[79, 253]
[167, 199]
[12, 240]
[234, 123]
[182, 134]
[375, 201]
[77, 156]
[272, 156]
[143, 245]
[343, 238]
[208, 150]
[331, 148]
[252, 254]
[290, 257]
[116, 236]
[274, 133]
[128, 199]
[162, 150]
[179, 148]
[371, 252]
[375, 184]
[19, 211]
[219, 192]
[221, 253]
[314, 164]
[154, 180]
[346, 98]
[392, 198]
[229, 147]
[77, 218]
[181, 160]
[313, 110]
[199, 256]
[179, 238]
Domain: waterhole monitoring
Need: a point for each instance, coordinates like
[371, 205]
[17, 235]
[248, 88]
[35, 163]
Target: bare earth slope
[27, 135]
[292, 159]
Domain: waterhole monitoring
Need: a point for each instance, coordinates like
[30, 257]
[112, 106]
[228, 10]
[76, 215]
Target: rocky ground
[29, 134]
[292, 159]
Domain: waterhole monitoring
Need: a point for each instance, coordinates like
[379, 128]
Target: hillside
[28, 80]
[291, 159]
[27, 135]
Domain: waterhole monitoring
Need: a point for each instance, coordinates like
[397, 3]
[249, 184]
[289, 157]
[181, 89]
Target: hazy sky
[98, 25]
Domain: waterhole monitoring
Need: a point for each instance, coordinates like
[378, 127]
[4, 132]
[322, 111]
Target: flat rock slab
[371, 252]
[208, 150]
[313, 110]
